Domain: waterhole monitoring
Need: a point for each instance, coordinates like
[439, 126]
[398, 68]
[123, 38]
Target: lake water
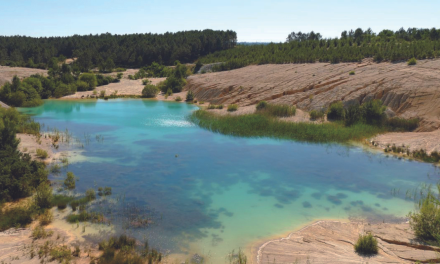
[208, 193]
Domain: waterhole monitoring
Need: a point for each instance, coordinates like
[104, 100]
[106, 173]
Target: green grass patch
[232, 107]
[258, 125]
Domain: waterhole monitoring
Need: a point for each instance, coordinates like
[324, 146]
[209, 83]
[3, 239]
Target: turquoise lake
[209, 193]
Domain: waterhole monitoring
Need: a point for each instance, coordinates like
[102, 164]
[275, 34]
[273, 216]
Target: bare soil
[7, 73]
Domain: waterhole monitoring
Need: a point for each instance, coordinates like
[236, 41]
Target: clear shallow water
[220, 192]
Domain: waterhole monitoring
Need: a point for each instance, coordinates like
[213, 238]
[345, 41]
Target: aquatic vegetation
[237, 258]
[61, 200]
[105, 191]
[70, 181]
[256, 125]
[232, 107]
[366, 245]
[42, 154]
[91, 194]
[84, 216]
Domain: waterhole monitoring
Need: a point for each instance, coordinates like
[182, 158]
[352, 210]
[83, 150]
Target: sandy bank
[7, 73]
[333, 241]
[30, 143]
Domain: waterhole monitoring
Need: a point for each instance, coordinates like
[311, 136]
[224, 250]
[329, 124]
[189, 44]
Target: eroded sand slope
[410, 91]
[7, 73]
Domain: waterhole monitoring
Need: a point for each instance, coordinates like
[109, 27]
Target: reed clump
[276, 110]
[259, 125]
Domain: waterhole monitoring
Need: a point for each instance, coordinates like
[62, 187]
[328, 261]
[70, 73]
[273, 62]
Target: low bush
[262, 105]
[317, 114]
[58, 200]
[15, 217]
[189, 96]
[366, 245]
[178, 99]
[84, 216]
[352, 73]
[42, 154]
[62, 254]
[276, 110]
[412, 61]
[401, 124]
[38, 233]
[46, 217]
[43, 196]
[150, 91]
[336, 111]
[146, 81]
[102, 94]
[232, 107]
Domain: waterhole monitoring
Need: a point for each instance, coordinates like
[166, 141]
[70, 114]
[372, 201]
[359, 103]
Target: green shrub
[42, 154]
[131, 77]
[178, 99]
[211, 106]
[232, 107]
[61, 199]
[401, 124]
[81, 86]
[353, 115]
[317, 114]
[425, 221]
[90, 79]
[336, 111]
[70, 181]
[38, 233]
[119, 75]
[150, 91]
[102, 94]
[46, 217]
[15, 217]
[219, 107]
[146, 81]
[276, 110]
[189, 96]
[261, 105]
[84, 216]
[412, 61]
[62, 254]
[352, 73]
[374, 112]
[43, 196]
[366, 245]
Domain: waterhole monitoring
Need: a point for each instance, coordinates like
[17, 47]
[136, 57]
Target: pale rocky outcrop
[408, 91]
[333, 242]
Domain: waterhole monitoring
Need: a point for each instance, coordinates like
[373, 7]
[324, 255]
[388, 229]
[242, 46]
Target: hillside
[409, 91]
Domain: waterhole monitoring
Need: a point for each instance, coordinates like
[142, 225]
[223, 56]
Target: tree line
[107, 50]
[352, 46]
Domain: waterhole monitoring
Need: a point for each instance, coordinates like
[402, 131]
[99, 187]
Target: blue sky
[257, 20]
